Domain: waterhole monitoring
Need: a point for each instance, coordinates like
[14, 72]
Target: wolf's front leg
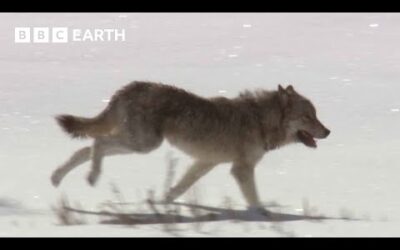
[196, 171]
[244, 176]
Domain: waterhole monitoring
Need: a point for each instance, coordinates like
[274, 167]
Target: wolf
[212, 131]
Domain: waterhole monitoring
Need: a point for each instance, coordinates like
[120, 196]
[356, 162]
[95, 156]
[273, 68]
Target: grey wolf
[214, 130]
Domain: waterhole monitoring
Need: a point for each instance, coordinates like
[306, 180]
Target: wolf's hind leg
[196, 171]
[79, 157]
[104, 147]
[97, 158]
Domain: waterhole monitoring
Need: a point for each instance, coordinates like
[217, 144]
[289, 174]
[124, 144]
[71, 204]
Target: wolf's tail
[80, 127]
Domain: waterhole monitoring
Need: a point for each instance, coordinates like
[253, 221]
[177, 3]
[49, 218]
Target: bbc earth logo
[65, 35]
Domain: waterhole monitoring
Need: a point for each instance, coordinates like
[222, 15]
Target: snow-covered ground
[347, 64]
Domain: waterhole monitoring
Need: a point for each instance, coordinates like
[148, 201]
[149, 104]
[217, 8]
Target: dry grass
[65, 216]
[171, 216]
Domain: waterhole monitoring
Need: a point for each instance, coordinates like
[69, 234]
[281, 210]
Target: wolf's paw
[56, 178]
[170, 196]
[259, 211]
[93, 177]
[168, 200]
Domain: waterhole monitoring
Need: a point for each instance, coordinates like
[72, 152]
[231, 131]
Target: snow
[347, 64]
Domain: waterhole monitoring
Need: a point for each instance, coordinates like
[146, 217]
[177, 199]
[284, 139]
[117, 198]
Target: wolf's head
[300, 118]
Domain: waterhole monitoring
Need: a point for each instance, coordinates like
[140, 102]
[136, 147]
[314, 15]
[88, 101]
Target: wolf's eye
[306, 118]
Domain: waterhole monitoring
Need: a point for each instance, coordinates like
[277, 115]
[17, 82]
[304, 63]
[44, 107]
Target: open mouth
[306, 138]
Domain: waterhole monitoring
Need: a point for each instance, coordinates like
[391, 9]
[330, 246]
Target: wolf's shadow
[200, 213]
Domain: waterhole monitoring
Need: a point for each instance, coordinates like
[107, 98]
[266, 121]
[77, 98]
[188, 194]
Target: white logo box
[41, 35]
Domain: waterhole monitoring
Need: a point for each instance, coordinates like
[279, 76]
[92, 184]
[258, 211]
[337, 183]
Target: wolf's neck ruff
[266, 105]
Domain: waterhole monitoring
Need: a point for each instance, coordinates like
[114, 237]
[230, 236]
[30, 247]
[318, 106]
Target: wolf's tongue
[306, 138]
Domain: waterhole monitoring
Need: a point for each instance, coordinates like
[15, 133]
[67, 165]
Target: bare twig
[64, 215]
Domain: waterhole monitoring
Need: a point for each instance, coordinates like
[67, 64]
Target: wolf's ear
[281, 89]
[283, 96]
[290, 89]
